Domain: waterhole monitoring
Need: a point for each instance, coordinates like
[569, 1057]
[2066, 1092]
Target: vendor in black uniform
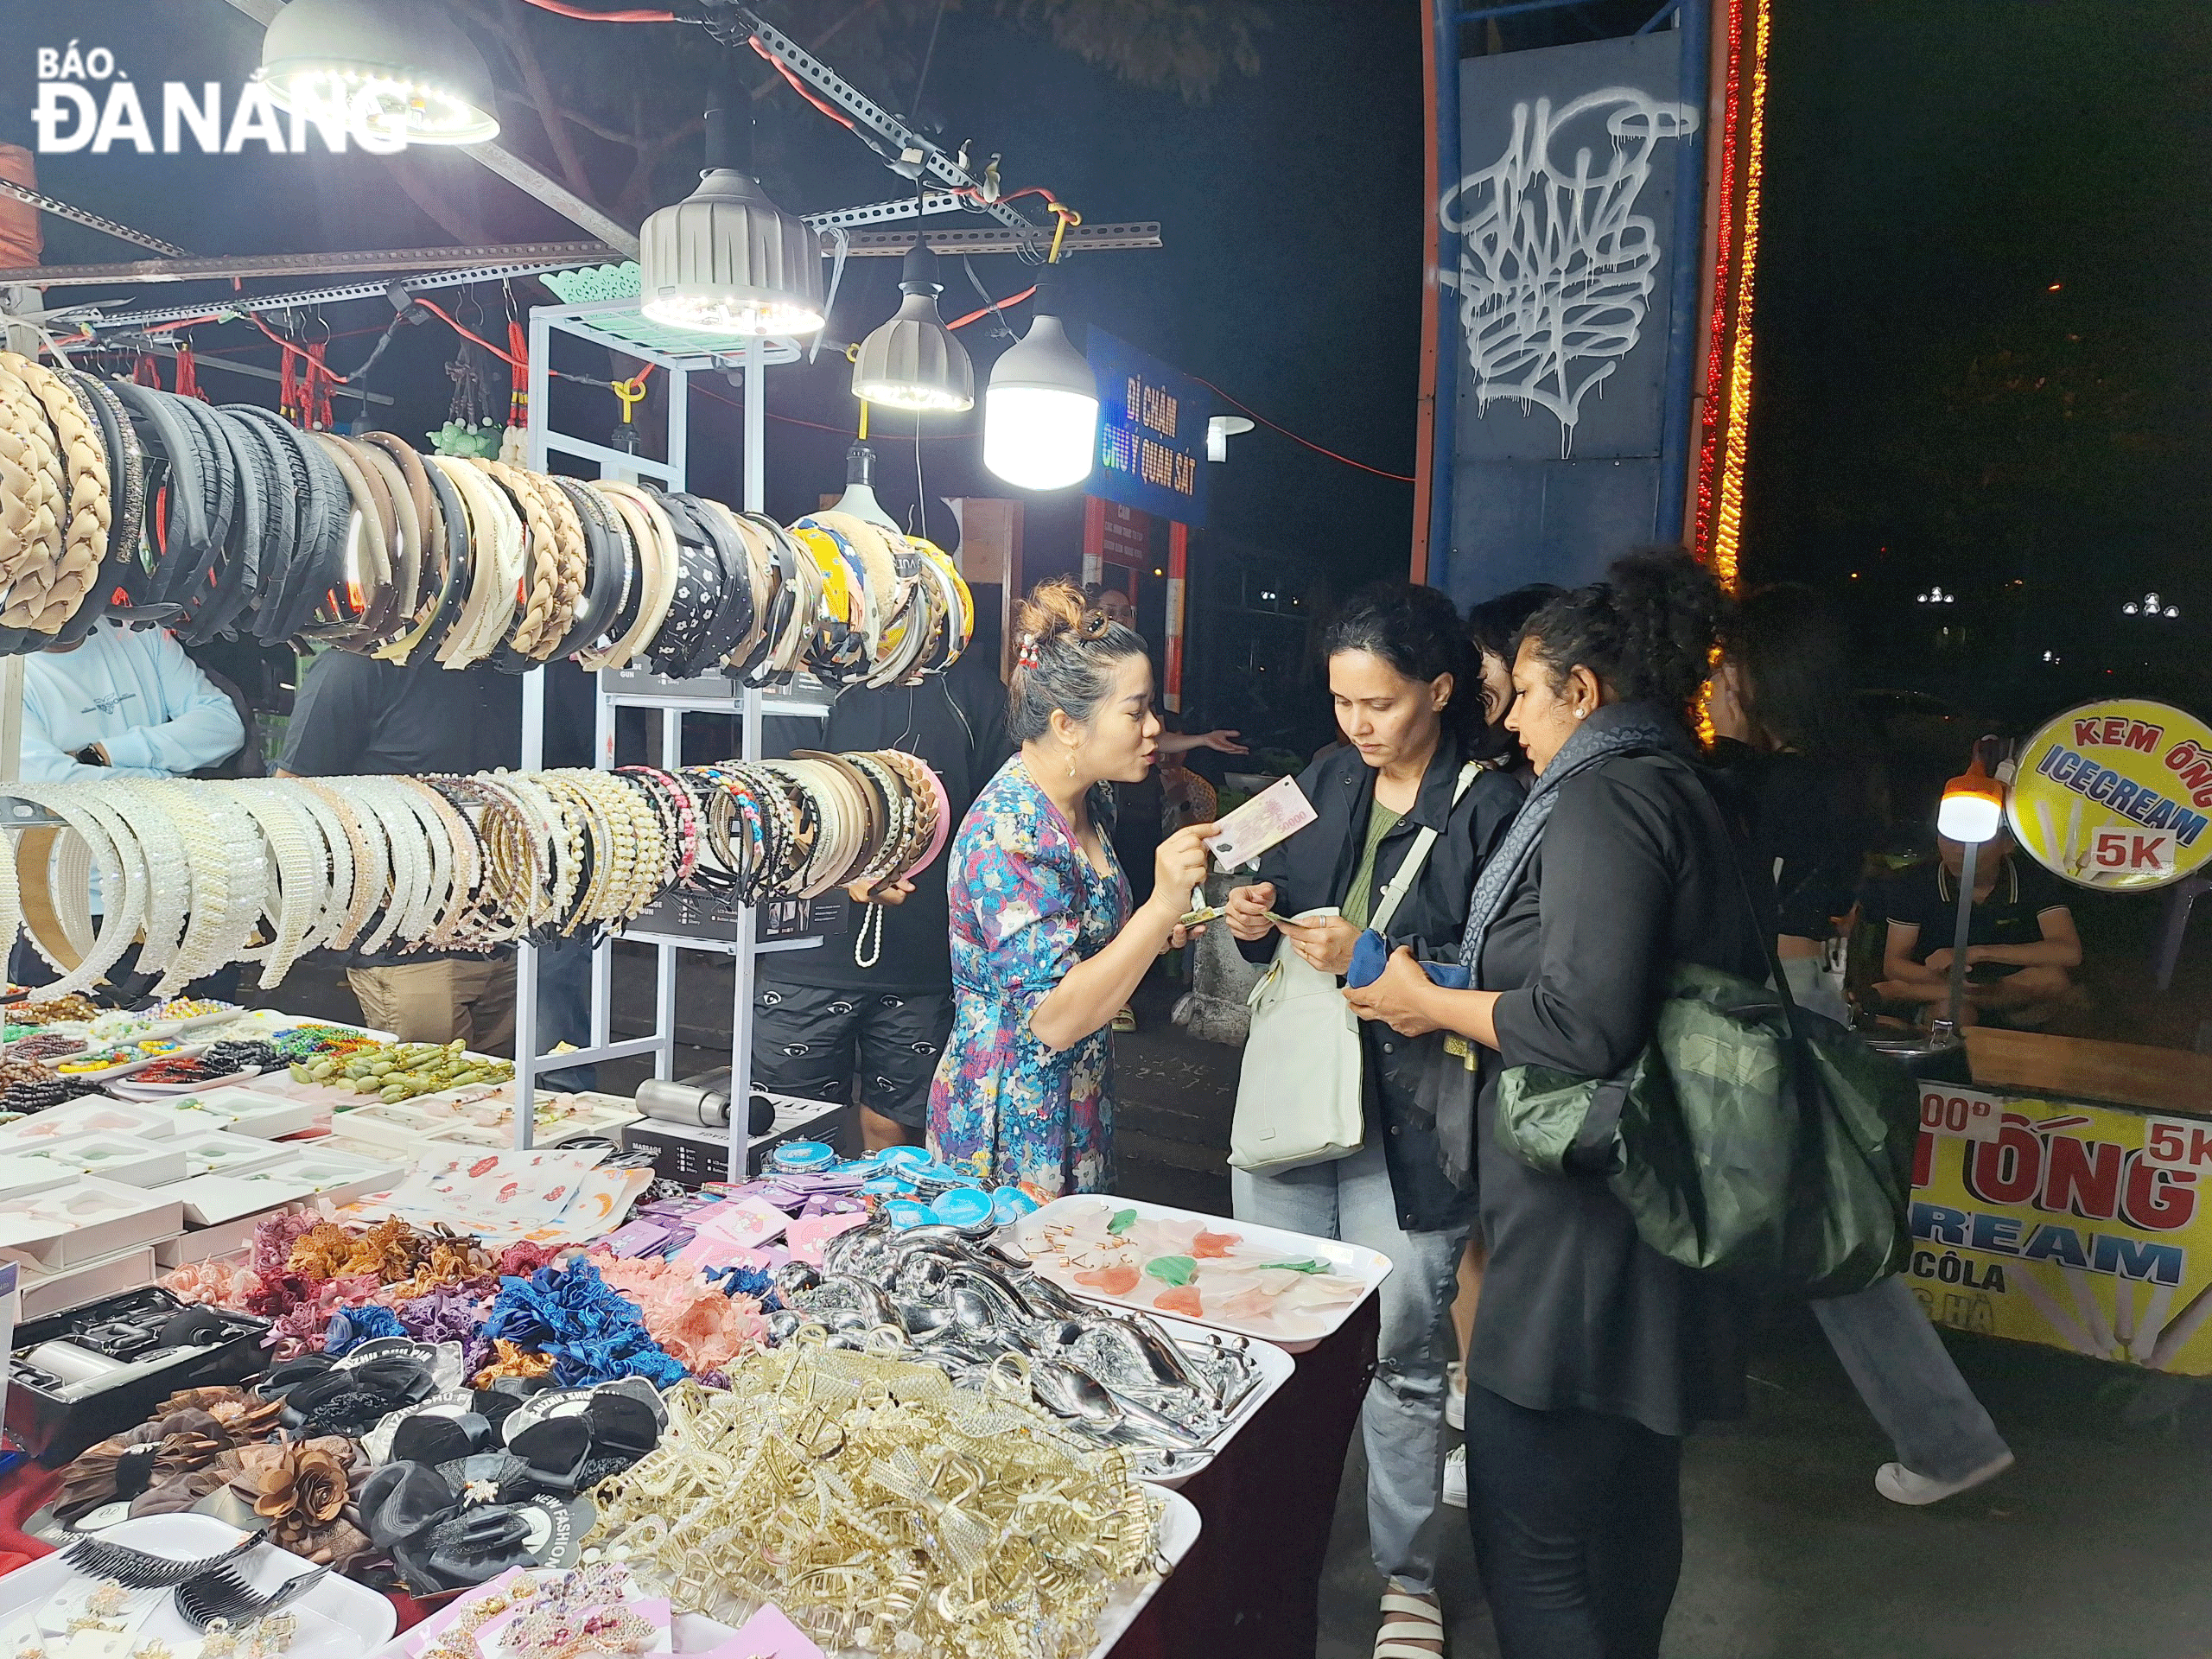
[877, 1004]
[2021, 945]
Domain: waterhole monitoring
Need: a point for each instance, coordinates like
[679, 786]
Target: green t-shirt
[1380, 822]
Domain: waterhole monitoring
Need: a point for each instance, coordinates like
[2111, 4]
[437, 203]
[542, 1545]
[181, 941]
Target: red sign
[1124, 537]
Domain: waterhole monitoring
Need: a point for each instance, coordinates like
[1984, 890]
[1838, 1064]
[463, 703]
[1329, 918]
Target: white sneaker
[1455, 1397]
[1455, 1478]
[1900, 1485]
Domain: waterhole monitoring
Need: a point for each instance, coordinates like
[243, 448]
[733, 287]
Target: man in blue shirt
[125, 702]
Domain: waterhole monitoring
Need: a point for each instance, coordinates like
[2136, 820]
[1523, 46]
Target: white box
[205, 1243]
[124, 1157]
[227, 1154]
[210, 1199]
[89, 1115]
[67, 1226]
[236, 1111]
[21, 1175]
[337, 1175]
[58, 1291]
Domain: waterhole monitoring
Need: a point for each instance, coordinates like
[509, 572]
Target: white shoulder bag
[1298, 1094]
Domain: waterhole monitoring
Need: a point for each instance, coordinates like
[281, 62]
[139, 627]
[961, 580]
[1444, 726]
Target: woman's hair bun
[1648, 631]
[1065, 655]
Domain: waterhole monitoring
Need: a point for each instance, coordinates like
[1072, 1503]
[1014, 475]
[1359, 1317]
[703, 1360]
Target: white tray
[339, 1619]
[1276, 1367]
[125, 1088]
[1296, 1335]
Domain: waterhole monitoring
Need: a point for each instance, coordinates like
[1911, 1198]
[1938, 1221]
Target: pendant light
[726, 260]
[1040, 415]
[912, 361]
[402, 67]
[859, 499]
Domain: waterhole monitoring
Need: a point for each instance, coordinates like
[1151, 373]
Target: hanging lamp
[726, 260]
[1040, 414]
[402, 67]
[912, 361]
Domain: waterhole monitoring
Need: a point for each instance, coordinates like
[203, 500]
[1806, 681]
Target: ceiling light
[402, 68]
[726, 260]
[1041, 416]
[912, 361]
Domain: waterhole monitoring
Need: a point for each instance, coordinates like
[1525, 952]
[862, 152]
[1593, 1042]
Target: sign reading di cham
[1151, 432]
[2074, 1225]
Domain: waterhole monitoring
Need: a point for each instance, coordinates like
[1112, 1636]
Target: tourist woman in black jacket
[1592, 1354]
[1407, 693]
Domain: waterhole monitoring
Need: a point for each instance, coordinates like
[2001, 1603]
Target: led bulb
[1968, 818]
[1041, 416]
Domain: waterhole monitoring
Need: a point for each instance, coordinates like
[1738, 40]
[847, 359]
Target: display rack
[618, 325]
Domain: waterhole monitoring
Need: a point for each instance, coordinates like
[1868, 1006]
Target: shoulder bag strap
[1416, 855]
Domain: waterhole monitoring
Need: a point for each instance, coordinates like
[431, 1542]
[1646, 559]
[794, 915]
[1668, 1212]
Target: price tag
[1950, 1108]
[2132, 852]
[2178, 1142]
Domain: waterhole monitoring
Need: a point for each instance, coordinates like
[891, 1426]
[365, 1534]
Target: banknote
[1201, 913]
[1276, 811]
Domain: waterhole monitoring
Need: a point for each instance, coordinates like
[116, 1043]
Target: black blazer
[1314, 867]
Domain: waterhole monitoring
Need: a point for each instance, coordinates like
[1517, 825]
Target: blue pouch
[1370, 955]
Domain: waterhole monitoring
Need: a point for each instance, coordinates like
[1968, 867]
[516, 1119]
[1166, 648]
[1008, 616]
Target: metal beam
[525, 177]
[517, 170]
[1084, 238]
[61, 209]
[225, 267]
[875, 212]
[864, 111]
[240, 304]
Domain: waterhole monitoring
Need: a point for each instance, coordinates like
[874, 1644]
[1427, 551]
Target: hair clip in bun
[1029, 657]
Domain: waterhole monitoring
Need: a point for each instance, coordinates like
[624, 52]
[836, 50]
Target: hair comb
[135, 1569]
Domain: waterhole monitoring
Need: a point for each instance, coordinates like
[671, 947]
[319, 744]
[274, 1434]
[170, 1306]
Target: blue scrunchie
[350, 1328]
[591, 1332]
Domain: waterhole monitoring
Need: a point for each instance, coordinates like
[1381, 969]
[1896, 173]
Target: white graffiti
[1556, 266]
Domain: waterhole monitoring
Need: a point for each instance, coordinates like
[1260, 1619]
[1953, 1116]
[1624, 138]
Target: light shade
[1974, 806]
[1041, 416]
[912, 361]
[726, 260]
[858, 498]
[1220, 429]
[402, 66]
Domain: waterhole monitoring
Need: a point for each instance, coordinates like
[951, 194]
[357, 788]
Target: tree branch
[550, 114]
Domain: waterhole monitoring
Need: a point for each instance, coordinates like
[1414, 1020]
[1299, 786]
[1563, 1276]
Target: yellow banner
[2070, 1224]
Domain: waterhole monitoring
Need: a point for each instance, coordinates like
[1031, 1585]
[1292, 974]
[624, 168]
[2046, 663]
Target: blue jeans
[564, 1010]
[1403, 1422]
[1909, 1380]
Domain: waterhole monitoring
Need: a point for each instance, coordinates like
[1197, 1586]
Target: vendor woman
[1047, 946]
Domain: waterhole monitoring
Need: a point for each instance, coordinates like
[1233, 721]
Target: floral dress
[1026, 906]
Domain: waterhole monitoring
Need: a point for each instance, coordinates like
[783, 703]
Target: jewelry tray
[339, 1619]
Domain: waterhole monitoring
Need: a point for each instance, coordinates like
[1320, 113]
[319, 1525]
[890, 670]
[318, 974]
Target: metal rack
[618, 325]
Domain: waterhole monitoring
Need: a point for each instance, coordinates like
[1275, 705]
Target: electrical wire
[993, 309]
[439, 311]
[1397, 478]
[585, 14]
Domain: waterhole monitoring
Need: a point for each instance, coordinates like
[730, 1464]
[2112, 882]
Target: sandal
[1411, 1625]
[1125, 1021]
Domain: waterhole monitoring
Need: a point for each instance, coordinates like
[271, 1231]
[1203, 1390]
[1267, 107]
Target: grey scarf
[1615, 730]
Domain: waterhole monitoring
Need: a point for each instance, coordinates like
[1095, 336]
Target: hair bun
[1053, 608]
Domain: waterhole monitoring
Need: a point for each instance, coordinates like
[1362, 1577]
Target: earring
[1581, 713]
[1070, 763]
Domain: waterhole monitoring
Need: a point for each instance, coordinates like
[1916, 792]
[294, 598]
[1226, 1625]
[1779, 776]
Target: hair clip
[272, 1634]
[222, 1594]
[152, 1651]
[107, 1598]
[1028, 656]
[135, 1570]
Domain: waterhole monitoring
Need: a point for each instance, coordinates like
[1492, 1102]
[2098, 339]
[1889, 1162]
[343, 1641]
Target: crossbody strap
[1416, 855]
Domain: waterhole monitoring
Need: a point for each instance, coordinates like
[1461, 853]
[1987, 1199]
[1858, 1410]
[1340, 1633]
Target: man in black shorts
[876, 1006]
[2022, 947]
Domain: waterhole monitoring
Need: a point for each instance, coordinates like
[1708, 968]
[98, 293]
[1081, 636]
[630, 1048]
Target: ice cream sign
[2116, 794]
